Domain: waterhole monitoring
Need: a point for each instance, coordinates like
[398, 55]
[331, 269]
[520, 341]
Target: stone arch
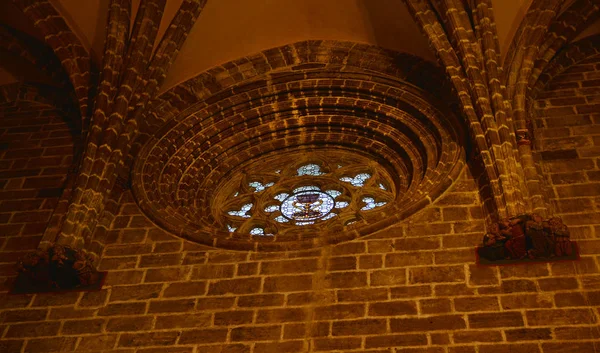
[316, 93]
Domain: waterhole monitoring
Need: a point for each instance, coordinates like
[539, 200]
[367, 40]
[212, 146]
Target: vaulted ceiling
[230, 29]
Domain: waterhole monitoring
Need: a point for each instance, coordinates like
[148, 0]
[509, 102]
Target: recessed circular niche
[314, 157]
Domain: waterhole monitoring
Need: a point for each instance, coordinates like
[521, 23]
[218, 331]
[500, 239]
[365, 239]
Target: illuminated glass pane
[257, 231]
[281, 219]
[243, 212]
[341, 204]
[307, 205]
[271, 208]
[358, 180]
[258, 187]
[231, 229]
[306, 188]
[278, 171]
[310, 169]
[329, 216]
[382, 187]
[236, 194]
[281, 196]
[304, 223]
[333, 193]
[371, 204]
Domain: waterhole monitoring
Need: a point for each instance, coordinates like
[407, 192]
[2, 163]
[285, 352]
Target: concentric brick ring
[347, 110]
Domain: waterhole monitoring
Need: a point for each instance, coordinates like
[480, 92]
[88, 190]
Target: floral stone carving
[527, 238]
[57, 268]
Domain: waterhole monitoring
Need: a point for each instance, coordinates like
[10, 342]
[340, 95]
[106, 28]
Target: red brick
[75, 327]
[280, 347]
[171, 306]
[160, 260]
[393, 308]
[370, 261]
[49, 328]
[359, 327]
[342, 263]
[482, 276]
[203, 336]
[477, 336]
[388, 277]
[560, 347]
[214, 303]
[289, 266]
[432, 323]
[166, 274]
[577, 333]
[288, 283]
[527, 334]
[558, 283]
[235, 286]
[476, 304]
[123, 309]
[260, 300]
[157, 338]
[256, 333]
[236, 317]
[124, 277]
[301, 330]
[213, 271]
[408, 259]
[361, 295]
[130, 323]
[185, 289]
[570, 299]
[280, 315]
[45, 345]
[93, 299]
[345, 279]
[436, 274]
[139, 292]
[340, 311]
[435, 306]
[410, 291]
[559, 317]
[195, 320]
[247, 269]
[23, 315]
[332, 344]
[507, 319]
[396, 340]
[512, 348]
[526, 301]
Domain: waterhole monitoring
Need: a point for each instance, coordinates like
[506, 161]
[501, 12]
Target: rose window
[327, 191]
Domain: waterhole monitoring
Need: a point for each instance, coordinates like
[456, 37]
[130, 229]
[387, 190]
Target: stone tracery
[311, 194]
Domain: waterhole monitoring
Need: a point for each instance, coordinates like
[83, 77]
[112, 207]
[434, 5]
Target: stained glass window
[310, 169]
[243, 212]
[371, 204]
[258, 187]
[271, 209]
[297, 198]
[358, 180]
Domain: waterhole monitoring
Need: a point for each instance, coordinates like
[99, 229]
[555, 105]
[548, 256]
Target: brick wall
[413, 288]
[568, 142]
[36, 149]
